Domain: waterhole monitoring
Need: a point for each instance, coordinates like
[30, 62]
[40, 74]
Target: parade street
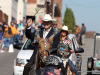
[7, 59]
[7, 62]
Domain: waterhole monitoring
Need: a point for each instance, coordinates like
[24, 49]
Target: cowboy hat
[47, 17]
[64, 28]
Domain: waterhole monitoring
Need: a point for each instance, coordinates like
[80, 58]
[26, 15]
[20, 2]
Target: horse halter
[45, 49]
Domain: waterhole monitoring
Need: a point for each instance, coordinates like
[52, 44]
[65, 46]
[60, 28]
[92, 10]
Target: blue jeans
[76, 35]
[18, 38]
[23, 32]
[12, 40]
[73, 68]
[6, 42]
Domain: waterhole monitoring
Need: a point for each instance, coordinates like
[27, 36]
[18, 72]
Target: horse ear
[50, 39]
[38, 38]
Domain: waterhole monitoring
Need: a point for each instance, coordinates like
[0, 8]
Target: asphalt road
[6, 62]
[88, 52]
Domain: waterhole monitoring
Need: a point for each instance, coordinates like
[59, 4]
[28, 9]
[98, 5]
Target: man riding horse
[47, 32]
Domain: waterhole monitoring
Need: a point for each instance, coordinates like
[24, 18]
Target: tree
[69, 19]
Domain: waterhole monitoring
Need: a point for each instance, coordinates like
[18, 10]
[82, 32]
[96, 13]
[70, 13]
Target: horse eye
[39, 47]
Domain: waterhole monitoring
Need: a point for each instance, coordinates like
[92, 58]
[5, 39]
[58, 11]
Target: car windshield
[97, 45]
[28, 45]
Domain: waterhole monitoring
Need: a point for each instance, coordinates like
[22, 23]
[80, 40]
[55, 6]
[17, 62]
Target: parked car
[93, 63]
[75, 57]
[23, 57]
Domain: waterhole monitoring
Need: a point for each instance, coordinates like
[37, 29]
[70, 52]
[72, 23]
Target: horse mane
[40, 39]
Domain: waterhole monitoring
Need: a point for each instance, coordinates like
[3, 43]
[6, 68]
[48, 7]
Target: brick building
[8, 10]
[34, 5]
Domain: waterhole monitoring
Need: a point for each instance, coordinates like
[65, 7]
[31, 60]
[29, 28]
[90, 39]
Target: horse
[43, 51]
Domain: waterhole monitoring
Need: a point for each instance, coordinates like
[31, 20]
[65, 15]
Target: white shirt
[45, 32]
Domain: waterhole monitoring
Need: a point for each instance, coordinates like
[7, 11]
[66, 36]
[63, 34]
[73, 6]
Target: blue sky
[85, 11]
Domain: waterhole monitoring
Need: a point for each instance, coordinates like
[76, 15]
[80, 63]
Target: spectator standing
[20, 25]
[19, 36]
[24, 21]
[1, 25]
[24, 25]
[33, 27]
[15, 24]
[77, 31]
[1, 34]
[83, 33]
[7, 38]
[14, 31]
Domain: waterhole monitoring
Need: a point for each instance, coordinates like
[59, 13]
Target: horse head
[44, 47]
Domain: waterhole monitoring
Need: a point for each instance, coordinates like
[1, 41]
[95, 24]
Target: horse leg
[37, 62]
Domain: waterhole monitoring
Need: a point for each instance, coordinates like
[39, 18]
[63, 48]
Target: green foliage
[69, 19]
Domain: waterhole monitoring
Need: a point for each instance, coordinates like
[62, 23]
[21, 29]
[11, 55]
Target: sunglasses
[46, 23]
[54, 24]
[57, 67]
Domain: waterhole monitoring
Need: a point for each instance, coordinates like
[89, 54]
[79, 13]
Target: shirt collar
[47, 30]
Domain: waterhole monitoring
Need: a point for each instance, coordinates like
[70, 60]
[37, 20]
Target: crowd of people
[10, 34]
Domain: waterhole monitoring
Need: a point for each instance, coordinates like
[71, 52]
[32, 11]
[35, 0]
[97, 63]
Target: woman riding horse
[64, 46]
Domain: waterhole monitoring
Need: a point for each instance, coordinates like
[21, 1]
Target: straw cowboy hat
[47, 17]
[64, 28]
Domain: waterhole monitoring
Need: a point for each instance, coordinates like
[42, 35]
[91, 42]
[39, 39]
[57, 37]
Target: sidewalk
[88, 52]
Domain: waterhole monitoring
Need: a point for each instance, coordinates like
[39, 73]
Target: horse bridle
[45, 48]
[43, 52]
